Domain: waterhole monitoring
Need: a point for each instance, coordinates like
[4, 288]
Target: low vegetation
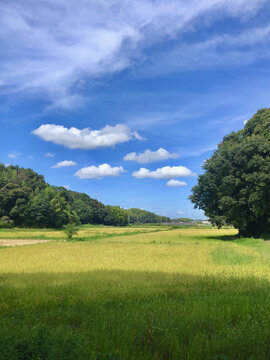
[84, 232]
[175, 294]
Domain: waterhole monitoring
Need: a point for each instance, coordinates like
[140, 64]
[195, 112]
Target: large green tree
[235, 186]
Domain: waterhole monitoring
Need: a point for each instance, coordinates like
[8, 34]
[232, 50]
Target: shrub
[6, 222]
[70, 230]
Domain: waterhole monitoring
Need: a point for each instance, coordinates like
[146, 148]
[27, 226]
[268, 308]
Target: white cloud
[180, 212]
[67, 187]
[50, 155]
[14, 155]
[98, 172]
[166, 172]
[64, 163]
[49, 49]
[150, 156]
[86, 138]
[174, 183]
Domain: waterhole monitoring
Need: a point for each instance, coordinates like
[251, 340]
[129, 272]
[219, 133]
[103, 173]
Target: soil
[20, 242]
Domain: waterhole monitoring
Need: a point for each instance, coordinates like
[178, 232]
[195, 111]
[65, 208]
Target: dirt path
[20, 242]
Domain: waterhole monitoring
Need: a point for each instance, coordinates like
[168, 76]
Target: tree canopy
[235, 186]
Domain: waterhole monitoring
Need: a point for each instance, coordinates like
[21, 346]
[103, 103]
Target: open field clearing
[85, 232]
[176, 294]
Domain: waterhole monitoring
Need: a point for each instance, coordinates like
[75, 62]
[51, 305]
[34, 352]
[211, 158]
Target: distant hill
[27, 200]
[144, 217]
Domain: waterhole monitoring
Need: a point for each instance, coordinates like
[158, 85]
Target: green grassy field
[85, 232]
[174, 294]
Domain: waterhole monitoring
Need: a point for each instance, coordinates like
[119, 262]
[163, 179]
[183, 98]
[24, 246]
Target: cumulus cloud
[50, 49]
[67, 187]
[150, 156]
[50, 155]
[166, 172]
[175, 183]
[74, 138]
[14, 155]
[98, 172]
[64, 163]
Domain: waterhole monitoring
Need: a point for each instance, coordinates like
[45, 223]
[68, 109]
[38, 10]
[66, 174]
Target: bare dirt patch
[20, 242]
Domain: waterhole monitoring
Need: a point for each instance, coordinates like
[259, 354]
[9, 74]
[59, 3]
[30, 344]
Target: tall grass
[180, 294]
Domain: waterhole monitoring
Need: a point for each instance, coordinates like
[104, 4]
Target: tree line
[26, 200]
[140, 216]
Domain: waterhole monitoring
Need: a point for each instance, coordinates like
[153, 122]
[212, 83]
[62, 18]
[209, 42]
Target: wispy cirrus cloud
[52, 49]
[220, 50]
[74, 138]
[99, 172]
[149, 156]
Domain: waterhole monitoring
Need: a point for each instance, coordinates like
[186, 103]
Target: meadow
[167, 294]
[85, 232]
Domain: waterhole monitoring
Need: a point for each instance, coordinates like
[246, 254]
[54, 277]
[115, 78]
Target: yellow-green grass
[177, 294]
[84, 232]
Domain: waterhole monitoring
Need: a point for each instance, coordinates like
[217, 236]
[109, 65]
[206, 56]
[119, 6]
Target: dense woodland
[27, 200]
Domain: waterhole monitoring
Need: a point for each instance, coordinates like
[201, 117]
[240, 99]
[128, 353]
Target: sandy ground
[19, 242]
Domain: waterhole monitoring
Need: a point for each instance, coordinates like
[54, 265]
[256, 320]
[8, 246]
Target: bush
[70, 230]
[6, 222]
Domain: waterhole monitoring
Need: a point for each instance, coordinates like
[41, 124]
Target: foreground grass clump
[179, 294]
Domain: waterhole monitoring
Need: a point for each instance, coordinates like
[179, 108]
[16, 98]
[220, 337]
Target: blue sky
[124, 100]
